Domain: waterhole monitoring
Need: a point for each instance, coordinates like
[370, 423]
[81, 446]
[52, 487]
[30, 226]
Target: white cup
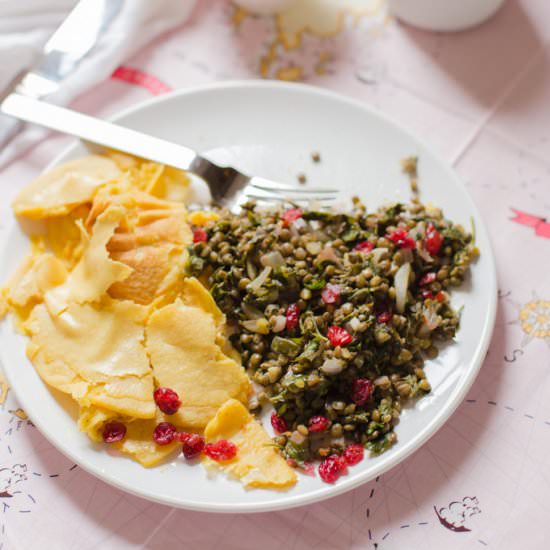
[264, 7]
[444, 15]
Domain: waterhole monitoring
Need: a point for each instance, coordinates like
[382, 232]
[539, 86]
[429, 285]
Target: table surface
[481, 98]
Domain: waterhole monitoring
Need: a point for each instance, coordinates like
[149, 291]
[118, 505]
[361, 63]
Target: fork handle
[98, 131]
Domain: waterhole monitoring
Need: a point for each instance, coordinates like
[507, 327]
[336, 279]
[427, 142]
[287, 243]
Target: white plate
[270, 129]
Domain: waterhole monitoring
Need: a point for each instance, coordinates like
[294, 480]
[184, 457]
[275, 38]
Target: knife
[61, 56]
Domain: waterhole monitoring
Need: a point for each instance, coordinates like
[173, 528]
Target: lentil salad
[334, 315]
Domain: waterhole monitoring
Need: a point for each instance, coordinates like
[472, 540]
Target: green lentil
[319, 252]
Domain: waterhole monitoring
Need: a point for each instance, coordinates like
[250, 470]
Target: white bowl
[270, 129]
[444, 15]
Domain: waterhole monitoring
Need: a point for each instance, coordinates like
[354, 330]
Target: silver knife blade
[97, 131]
[62, 54]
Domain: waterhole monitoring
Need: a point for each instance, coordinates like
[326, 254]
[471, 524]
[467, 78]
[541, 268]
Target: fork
[228, 186]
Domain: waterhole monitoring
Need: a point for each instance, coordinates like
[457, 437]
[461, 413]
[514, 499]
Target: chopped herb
[315, 284]
[394, 325]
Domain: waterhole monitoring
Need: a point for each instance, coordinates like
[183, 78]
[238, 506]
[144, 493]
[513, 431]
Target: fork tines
[266, 190]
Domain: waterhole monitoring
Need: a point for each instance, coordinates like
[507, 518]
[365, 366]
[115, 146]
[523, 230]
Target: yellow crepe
[141, 207]
[157, 254]
[194, 294]
[34, 277]
[181, 343]
[257, 464]
[172, 185]
[152, 240]
[95, 354]
[93, 419]
[161, 181]
[137, 443]
[64, 187]
[63, 235]
[96, 271]
[110, 315]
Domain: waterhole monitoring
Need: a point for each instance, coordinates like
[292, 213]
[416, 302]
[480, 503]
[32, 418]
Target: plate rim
[402, 452]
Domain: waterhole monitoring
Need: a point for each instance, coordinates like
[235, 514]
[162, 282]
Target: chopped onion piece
[300, 223]
[354, 323]
[329, 255]
[272, 259]
[257, 388]
[332, 366]
[313, 247]
[297, 437]
[401, 282]
[315, 224]
[251, 270]
[379, 254]
[251, 312]
[407, 255]
[423, 331]
[418, 231]
[259, 280]
[253, 402]
[279, 324]
[259, 326]
[320, 235]
[423, 253]
[431, 318]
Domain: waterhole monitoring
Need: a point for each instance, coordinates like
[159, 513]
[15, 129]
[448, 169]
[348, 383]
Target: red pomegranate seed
[338, 336]
[279, 423]
[433, 239]
[361, 391]
[113, 432]
[329, 470]
[401, 238]
[291, 462]
[318, 424]
[164, 433]
[199, 235]
[292, 316]
[331, 293]
[193, 444]
[440, 297]
[309, 469]
[427, 279]
[427, 294]
[353, 454]
[167, 400]
[291, 216]
[341, 461]
[364, 246]
[332, 468]
[221, 450]
[384, 317]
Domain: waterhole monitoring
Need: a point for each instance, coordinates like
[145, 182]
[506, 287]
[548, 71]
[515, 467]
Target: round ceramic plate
[271, 129]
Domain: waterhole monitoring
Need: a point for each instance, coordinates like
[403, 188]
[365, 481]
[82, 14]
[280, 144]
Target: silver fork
[228, 186]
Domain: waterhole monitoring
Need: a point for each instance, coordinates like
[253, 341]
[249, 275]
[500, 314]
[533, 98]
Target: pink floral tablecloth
[482, 100]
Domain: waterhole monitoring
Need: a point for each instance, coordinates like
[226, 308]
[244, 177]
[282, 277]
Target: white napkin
[25, 25]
